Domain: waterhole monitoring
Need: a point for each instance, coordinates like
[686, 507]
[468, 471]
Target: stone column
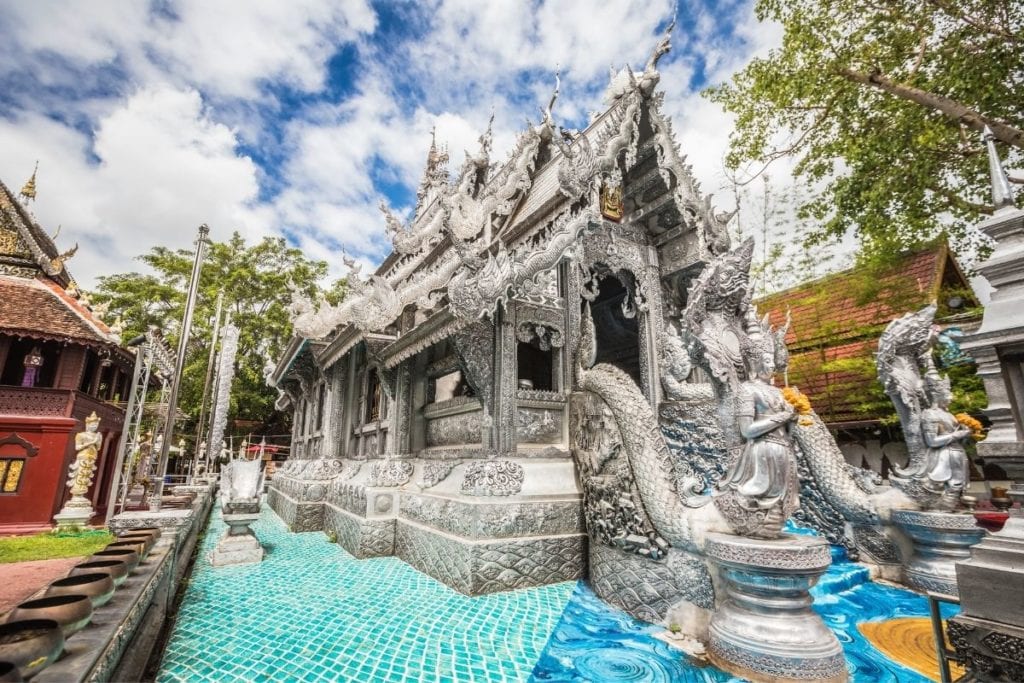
[504, 417]
[989, 631]
[1002, 329]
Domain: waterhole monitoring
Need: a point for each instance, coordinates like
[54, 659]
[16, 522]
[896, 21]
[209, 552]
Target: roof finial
[1002, 195]
[29, 190]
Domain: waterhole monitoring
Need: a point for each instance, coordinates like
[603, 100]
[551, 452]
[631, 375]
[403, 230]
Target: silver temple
[558, 372]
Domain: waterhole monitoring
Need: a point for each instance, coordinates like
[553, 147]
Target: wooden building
[59, 362]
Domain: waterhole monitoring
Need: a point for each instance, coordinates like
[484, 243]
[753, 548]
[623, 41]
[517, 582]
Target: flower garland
[800, 403]
[977, 430]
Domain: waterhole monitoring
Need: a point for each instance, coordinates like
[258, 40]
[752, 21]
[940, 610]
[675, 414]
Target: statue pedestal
[941, 539]
[765, 630]
[76, 513]
[239, 544]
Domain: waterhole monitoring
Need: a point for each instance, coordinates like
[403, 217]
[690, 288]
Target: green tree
[255, 281]
[882, 105]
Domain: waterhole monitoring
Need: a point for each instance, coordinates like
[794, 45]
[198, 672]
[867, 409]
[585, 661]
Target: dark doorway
[618, 335]
[45, 355]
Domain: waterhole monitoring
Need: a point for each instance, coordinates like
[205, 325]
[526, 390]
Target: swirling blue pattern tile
[597, 643]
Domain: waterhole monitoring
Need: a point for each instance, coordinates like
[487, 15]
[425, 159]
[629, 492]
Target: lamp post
[172, 399]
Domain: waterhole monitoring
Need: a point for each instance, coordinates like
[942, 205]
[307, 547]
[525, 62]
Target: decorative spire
[29, 189]
[1002, 195]
[436, 172]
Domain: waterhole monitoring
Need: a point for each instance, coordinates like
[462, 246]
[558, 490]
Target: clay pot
[138, 545]
[9, 673]
[116, 569]
[99, 587]
[31, 645]
[153, 531]
[72, 612]
[148, 541]
[126, 555]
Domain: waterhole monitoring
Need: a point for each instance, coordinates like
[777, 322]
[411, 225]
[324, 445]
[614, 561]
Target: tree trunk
[1011, 135]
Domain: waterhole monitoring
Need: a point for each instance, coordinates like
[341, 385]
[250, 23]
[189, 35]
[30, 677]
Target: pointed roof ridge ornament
[1002, 194]
[28, 191]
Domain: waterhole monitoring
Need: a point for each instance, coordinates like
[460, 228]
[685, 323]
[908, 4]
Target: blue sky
[297, 118]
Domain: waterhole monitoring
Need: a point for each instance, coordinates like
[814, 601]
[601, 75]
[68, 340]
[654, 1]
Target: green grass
[51, 545]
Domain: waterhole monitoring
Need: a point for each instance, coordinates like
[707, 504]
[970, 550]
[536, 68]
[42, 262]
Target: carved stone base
[297, 514]
[765, 630]
[941, 539]
[648, 589]
[491, 565]
[239, 544]
[359, 536]
[992, 651]
[73, 517]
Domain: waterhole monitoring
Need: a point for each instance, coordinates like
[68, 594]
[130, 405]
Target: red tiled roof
[831, 307]
[41, 308]
[835, 328]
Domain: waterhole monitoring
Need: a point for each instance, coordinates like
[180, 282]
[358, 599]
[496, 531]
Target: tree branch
[1009, 134]
[956, 201]
[984, 26]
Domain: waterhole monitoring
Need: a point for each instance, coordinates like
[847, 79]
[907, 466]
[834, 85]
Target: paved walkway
[19, 580]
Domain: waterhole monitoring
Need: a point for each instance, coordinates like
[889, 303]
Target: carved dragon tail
[668, 504]
[830, 472]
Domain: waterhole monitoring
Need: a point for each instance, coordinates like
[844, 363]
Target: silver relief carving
[493, 478]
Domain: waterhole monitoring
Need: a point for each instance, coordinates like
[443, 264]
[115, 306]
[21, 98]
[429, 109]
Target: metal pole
[127, 427]
[209, 377]
[179, 367]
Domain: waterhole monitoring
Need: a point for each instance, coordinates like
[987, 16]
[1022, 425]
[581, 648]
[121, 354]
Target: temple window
[10, 474]
[449, 386]
[535, 367]
[320, 400]
[31, 363]
[373, 396]
[91, 362]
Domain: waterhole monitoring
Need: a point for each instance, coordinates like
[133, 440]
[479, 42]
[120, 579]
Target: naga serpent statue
[841, 502]
[646, 522]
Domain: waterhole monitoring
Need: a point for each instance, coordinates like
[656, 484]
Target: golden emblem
[611, 203]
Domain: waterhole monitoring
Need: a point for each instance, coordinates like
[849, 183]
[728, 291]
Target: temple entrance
[617, 326]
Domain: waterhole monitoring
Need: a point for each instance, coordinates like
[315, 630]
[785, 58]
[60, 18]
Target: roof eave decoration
[478, 273]
[16, 217]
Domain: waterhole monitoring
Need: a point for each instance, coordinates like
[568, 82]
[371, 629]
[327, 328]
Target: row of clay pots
[33, 636]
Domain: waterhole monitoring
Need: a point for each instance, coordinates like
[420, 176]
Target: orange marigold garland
[977, 430]
[800, 403]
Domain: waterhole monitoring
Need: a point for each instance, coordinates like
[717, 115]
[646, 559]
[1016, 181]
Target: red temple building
[59, 362]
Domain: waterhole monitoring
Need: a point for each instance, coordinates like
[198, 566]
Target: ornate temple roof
[25, 248]
[837, 320]
[478, 238]
[37, 297]
[42, 309]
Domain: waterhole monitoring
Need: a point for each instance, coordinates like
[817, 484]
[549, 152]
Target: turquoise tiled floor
[312, 612]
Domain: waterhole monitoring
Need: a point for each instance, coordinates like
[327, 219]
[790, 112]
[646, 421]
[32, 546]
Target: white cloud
[157, 157]
[163, 167]
[228, 48]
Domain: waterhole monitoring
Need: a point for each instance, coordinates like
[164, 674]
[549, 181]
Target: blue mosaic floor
[312, 612]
